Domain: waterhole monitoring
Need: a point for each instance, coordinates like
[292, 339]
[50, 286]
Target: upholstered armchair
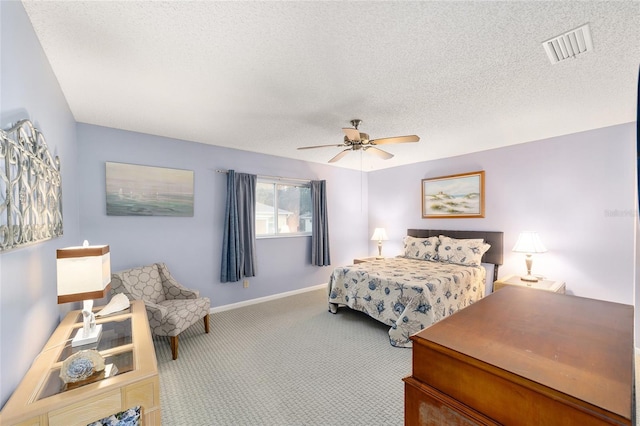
[171, 308]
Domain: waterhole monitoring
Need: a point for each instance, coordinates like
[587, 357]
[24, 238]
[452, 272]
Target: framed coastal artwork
[134, 190]
[454, 196]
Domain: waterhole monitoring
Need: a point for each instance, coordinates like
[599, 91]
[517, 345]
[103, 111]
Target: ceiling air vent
[569, 45]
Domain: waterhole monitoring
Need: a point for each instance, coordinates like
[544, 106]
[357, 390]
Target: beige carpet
[284, 362]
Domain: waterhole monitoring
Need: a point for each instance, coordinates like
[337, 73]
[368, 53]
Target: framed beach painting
[454, 196]
[134, 190]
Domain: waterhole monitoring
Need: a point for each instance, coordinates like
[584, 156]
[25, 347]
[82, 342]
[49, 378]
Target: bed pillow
[462, 252]
[421, 248]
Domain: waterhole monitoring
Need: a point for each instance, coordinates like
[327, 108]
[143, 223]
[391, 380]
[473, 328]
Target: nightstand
[546, 285]
[365, 259]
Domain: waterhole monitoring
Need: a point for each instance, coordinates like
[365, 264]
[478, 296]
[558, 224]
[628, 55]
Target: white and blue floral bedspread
[407, 294]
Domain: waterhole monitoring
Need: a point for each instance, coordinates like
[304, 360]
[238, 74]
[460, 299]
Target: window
[283, 208]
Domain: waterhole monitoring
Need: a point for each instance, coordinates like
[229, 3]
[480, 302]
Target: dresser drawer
[87, 411]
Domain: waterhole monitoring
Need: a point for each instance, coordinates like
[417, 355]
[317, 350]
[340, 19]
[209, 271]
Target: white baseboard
[265, 299]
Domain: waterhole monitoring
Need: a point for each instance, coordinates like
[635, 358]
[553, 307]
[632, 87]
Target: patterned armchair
[171, 308]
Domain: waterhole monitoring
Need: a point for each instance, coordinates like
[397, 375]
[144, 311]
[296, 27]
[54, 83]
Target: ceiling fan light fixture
[354, 140]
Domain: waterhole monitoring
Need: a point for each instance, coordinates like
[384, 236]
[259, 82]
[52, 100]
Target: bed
[439, 273]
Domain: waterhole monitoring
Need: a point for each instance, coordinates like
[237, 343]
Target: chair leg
[206, 323]
[174, 346]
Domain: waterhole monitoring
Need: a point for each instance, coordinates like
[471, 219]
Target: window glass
[282, 208]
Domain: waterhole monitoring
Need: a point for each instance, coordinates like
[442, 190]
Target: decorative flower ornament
[81, 366]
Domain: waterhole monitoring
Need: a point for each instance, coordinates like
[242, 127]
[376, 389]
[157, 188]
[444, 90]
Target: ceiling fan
[354, 140]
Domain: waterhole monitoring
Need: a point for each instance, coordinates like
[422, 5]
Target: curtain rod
[271, 177]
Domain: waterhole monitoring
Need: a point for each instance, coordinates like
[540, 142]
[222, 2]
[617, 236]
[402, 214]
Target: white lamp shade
[379, 234]
[529, 242]
[83, 273]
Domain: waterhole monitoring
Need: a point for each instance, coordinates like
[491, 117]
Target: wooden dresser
[522, 357]
[42, 399]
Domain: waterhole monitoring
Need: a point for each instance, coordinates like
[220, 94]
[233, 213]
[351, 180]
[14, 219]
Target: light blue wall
[28, 300]
[192, 246]
[577, 191]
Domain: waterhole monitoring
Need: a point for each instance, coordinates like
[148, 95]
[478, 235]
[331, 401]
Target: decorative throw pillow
[421, 248]
[462, 252]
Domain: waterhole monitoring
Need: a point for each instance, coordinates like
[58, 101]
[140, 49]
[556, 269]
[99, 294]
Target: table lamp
[529, 243]
[380, 235]
[84, 273]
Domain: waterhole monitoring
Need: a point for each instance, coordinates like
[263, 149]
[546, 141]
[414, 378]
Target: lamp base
[94, 336]
[530, 279]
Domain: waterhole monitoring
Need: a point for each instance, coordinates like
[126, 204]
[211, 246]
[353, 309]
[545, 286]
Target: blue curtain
[320, 230]
[239, 239]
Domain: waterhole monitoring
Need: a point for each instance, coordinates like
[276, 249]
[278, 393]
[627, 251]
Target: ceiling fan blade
[352, 134]
[395, 139]
[322, 146]
[340, 155]
[378, 152]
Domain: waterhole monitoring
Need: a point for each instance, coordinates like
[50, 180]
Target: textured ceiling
[272, 76]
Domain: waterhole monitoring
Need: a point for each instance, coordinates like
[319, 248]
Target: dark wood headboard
[493, 255]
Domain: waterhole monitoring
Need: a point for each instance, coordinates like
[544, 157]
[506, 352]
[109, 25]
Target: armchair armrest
[155, 311]
[185, 293]
[172, 288]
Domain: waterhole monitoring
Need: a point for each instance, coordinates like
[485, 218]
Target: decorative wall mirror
[30, 188]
